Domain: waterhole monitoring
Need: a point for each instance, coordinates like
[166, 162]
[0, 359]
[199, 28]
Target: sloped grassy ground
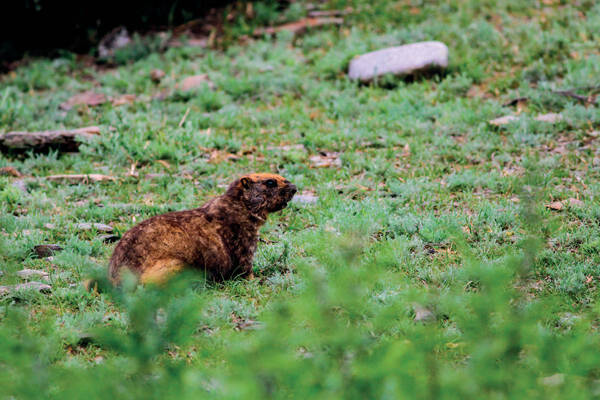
[432, 207]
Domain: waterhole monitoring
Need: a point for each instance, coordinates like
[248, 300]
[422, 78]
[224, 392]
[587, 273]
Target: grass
[431, 205]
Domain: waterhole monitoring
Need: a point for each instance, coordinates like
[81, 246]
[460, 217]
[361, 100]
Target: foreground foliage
[429, 267]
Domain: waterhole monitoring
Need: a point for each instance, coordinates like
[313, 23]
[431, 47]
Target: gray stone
[305, 197]
[423, 314]
[400, 60]
[38, 286]
[86, 226]
[46, 250]
[109, 238]
[551, 118]
[32, 273]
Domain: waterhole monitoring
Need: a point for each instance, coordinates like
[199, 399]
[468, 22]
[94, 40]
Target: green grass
[431, 205]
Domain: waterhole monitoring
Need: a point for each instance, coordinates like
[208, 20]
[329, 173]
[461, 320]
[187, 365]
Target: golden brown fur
[220, 237]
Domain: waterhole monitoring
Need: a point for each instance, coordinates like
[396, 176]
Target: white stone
[400, 60]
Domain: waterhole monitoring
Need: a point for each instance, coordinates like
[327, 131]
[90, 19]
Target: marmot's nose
[292, 188]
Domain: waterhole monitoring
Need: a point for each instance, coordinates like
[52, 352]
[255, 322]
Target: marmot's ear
[245, 182]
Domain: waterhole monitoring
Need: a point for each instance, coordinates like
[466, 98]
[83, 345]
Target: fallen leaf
[503, 120]
[326, 159]
[88, 98]
[406, 151]
[288, 147]
[164, 163]
[81, 178]
[156, 75]
[12, 171]
[299, 26]
[194, 82]
[555, 205]
[218, 156]
[123, 99]
[241, 324]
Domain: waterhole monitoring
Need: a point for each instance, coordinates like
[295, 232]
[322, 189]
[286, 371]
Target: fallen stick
[65, 140]
[81, 178]
[568, 92]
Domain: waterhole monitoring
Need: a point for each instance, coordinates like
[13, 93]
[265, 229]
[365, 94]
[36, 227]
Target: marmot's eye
[271, 183]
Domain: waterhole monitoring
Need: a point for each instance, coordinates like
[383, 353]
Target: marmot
[220, 237]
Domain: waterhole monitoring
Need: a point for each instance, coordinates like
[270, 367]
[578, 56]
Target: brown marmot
[220, 237]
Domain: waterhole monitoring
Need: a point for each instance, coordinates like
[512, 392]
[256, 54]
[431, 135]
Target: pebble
[400, 60]
[193, 82]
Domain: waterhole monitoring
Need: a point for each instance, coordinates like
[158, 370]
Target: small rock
[156, 75]
[555, 205]
[503, 120]
[551, 118]
[88, 98]
[123, 99]
[32, 273]
[50, 226]
[40, 287]
[422, 314]
[553, 380]
[86, 226]
[10, 171]
[193, 82]
[109, 238]
[114, 40]
[46, 250]
[21, 184]
[568, 319]
[306, 197]
[85, 339]
[575, 202]
[400, 60]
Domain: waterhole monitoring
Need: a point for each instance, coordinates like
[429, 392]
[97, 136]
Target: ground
[444, 257]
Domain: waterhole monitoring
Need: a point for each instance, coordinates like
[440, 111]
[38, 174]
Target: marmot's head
[262, 193]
